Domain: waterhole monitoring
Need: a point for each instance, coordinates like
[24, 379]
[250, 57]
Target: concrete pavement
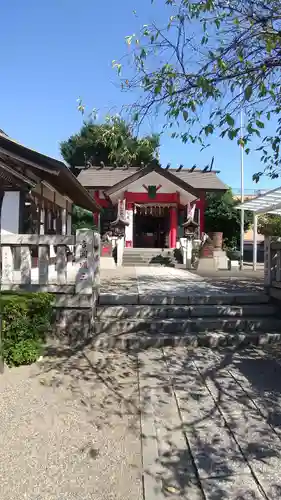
[211, 424]
[195, 424]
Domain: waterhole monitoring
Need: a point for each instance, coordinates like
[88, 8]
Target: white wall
[10, 213]
[155, 179]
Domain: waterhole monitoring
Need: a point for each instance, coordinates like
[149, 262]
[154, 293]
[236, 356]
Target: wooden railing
[81, 271]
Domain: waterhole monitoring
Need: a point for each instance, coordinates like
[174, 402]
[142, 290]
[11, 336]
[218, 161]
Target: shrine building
[157, 200]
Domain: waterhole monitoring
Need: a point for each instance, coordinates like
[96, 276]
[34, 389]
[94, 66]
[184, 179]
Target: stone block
[234, 265]
[118, 298]
[206, 264]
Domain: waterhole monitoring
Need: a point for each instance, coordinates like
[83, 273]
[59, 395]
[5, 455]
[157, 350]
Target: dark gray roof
[105, 177]
[56, 173]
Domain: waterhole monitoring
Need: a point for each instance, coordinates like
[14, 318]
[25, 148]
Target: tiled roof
[44, 168]
[105, 177]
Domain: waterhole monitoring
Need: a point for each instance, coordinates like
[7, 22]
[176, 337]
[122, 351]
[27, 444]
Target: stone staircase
[205, 320]
[150, 257]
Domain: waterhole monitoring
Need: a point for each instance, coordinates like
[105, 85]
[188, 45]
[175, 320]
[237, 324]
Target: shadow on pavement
[214, 416]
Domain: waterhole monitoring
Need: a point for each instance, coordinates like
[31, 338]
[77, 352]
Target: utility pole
[242, 190]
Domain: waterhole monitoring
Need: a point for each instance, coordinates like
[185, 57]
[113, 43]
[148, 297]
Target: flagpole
[242, 191]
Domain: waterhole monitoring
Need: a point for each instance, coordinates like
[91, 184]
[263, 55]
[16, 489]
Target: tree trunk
[2, 194]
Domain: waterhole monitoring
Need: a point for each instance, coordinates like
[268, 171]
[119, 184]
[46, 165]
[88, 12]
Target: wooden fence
[79, 275]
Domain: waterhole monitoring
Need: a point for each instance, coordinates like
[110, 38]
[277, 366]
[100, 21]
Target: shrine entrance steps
[151, 257]
[148, 307]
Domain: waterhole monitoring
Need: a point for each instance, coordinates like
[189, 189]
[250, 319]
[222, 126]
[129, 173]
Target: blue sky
[57, 50]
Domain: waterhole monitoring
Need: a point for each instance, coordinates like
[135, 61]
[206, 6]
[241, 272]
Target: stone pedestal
[211, 258]
[233, 265]
[206, 264]
[221, 259]
[206, 259]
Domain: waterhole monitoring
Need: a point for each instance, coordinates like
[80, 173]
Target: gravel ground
[70, 429]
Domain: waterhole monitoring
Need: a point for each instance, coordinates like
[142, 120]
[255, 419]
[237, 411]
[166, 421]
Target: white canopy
[267, 203]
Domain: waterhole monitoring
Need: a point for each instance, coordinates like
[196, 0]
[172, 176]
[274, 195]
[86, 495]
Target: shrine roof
[165, 173]
[108, 176]
[20, 166]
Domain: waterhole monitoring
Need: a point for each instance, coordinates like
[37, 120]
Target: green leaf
[248, 92]
[185, 115]
[192, 106]
[158, 88]
[259, 124]
[229, 120]
[217, 23]
[209, 129]
[231, 134]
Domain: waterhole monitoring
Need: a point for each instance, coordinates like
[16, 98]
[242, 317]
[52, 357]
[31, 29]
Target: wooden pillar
[42, 216]
[202, 212]
[41, 213]
[129, 230]
[173, 227]
[63, 221]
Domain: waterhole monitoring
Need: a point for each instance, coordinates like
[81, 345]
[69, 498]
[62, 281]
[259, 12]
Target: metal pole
[255, 241]
[242, 194]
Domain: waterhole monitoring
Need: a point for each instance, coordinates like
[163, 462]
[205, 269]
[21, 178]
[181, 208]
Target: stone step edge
[110, 299]
[213, 341]
[184, 321]
[174, 312]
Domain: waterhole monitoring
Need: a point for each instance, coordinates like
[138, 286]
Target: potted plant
[233, 254]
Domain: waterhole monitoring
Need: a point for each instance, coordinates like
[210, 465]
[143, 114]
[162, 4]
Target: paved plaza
[144, 284]
[165, 423]
[195, 424]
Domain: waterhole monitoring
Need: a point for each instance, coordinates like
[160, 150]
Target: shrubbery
[26, 321]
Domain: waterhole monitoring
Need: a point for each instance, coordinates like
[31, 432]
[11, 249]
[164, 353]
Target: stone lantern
[118, 229]
[189, 227]
[118, 226]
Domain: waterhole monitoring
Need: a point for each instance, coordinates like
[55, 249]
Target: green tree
[111, 142]
[211, 58]
[82, 219]
[221, 215]
[269, 225]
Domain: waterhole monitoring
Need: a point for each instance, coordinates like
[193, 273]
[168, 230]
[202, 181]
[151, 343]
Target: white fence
[81, 274]
[272, 267]
[272, 263]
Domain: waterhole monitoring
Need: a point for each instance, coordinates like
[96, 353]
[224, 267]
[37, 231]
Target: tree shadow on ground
[231, 445]
[104, 383]
[204, 411]
[231, 282]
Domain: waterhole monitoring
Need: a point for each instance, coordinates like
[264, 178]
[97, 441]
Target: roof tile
[105, 177]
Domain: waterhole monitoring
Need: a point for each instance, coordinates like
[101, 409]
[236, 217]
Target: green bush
[26, 319]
